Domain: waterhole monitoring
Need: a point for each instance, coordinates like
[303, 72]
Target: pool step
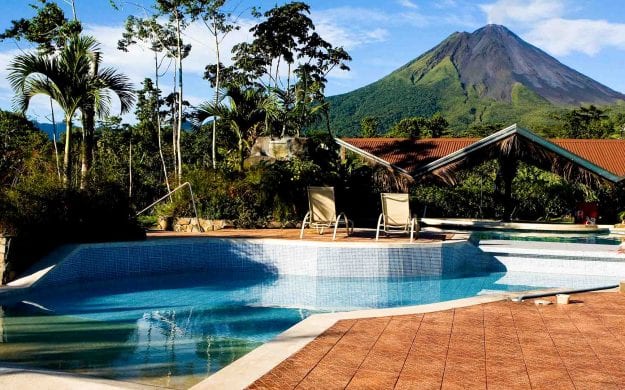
[554, 257]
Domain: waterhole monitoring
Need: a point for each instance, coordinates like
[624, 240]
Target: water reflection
[175, 330]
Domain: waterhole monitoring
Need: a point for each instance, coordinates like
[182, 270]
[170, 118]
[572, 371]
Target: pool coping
[247, 369]
[14, 377]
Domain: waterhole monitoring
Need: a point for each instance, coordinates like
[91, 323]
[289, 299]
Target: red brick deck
[501, 345]
[359, 235]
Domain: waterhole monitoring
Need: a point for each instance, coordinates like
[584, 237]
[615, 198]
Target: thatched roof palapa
[585, 161]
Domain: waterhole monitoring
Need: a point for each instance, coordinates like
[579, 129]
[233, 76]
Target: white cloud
[407, 4]
[5, 59]
[138, 62]
[514, 11]
[343, 28]
[562, 36]
[545, 26]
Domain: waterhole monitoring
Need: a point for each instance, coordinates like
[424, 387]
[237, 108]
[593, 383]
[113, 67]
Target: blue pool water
[175, 330]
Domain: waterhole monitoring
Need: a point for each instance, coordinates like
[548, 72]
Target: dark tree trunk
[67, 166]
[86, 150]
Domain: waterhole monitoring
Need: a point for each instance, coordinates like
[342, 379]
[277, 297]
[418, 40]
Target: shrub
[44, 215]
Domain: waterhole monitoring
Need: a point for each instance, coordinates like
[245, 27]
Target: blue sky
[586, 35]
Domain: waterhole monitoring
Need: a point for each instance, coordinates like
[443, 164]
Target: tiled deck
[359, 235]
[500, 345]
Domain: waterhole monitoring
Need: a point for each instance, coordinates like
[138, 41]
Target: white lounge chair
[396, 217]
[322, 212]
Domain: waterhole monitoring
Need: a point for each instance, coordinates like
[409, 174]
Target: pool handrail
[520, 298]
[186, 183]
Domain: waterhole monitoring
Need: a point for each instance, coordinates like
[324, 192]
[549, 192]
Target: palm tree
[98, 102]
[245, 113]
[68, 77]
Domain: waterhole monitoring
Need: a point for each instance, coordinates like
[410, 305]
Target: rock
[206, 224]
[274, 225]
[280, 148]
[183, 221]
[257, 160]
[165, 223]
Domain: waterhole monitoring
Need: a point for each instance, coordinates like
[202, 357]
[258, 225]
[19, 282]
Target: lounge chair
[396, 217]
[322, 212]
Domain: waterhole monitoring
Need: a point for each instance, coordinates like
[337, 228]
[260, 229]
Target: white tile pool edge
[246, 370]
[24, 378]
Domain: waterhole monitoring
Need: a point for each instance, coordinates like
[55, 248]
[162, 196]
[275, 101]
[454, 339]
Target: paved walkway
[500, 345]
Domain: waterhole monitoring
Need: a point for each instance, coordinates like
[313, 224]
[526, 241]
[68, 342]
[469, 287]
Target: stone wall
[193, 225]
[188, 224]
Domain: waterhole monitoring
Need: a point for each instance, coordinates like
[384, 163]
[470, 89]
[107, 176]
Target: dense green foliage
[538, 196]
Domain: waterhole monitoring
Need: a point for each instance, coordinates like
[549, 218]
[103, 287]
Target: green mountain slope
[488, 77]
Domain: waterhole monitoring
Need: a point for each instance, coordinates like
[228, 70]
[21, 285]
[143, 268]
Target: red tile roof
[410, 154]
[608, 154]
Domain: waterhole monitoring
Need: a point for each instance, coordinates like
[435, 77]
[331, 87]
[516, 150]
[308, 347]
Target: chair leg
[412, 221]
[336, 225]
[301, 234]
[377, 230]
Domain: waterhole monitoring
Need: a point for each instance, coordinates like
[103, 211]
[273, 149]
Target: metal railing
[520, 298]
[185, 184]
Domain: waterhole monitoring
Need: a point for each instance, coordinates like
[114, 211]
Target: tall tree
[68, 78]
[219, 25]
[587, 122]
[102, 82]
[173, 10]
[287, 36]
[245, 112]
[161, 40]
[369, 126]
[408, 128]
[49, 29]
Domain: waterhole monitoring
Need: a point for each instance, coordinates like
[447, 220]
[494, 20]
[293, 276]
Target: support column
[508, 167]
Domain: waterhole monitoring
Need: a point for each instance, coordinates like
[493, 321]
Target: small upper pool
[578, 238]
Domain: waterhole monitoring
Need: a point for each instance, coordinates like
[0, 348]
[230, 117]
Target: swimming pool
[584, 238]
[173, 329]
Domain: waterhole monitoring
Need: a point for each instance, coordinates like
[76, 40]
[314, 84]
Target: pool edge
[246, 370]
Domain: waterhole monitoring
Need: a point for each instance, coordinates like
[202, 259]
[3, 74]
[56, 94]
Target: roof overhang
[373, 158]
[455, 159]
[510, 131]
